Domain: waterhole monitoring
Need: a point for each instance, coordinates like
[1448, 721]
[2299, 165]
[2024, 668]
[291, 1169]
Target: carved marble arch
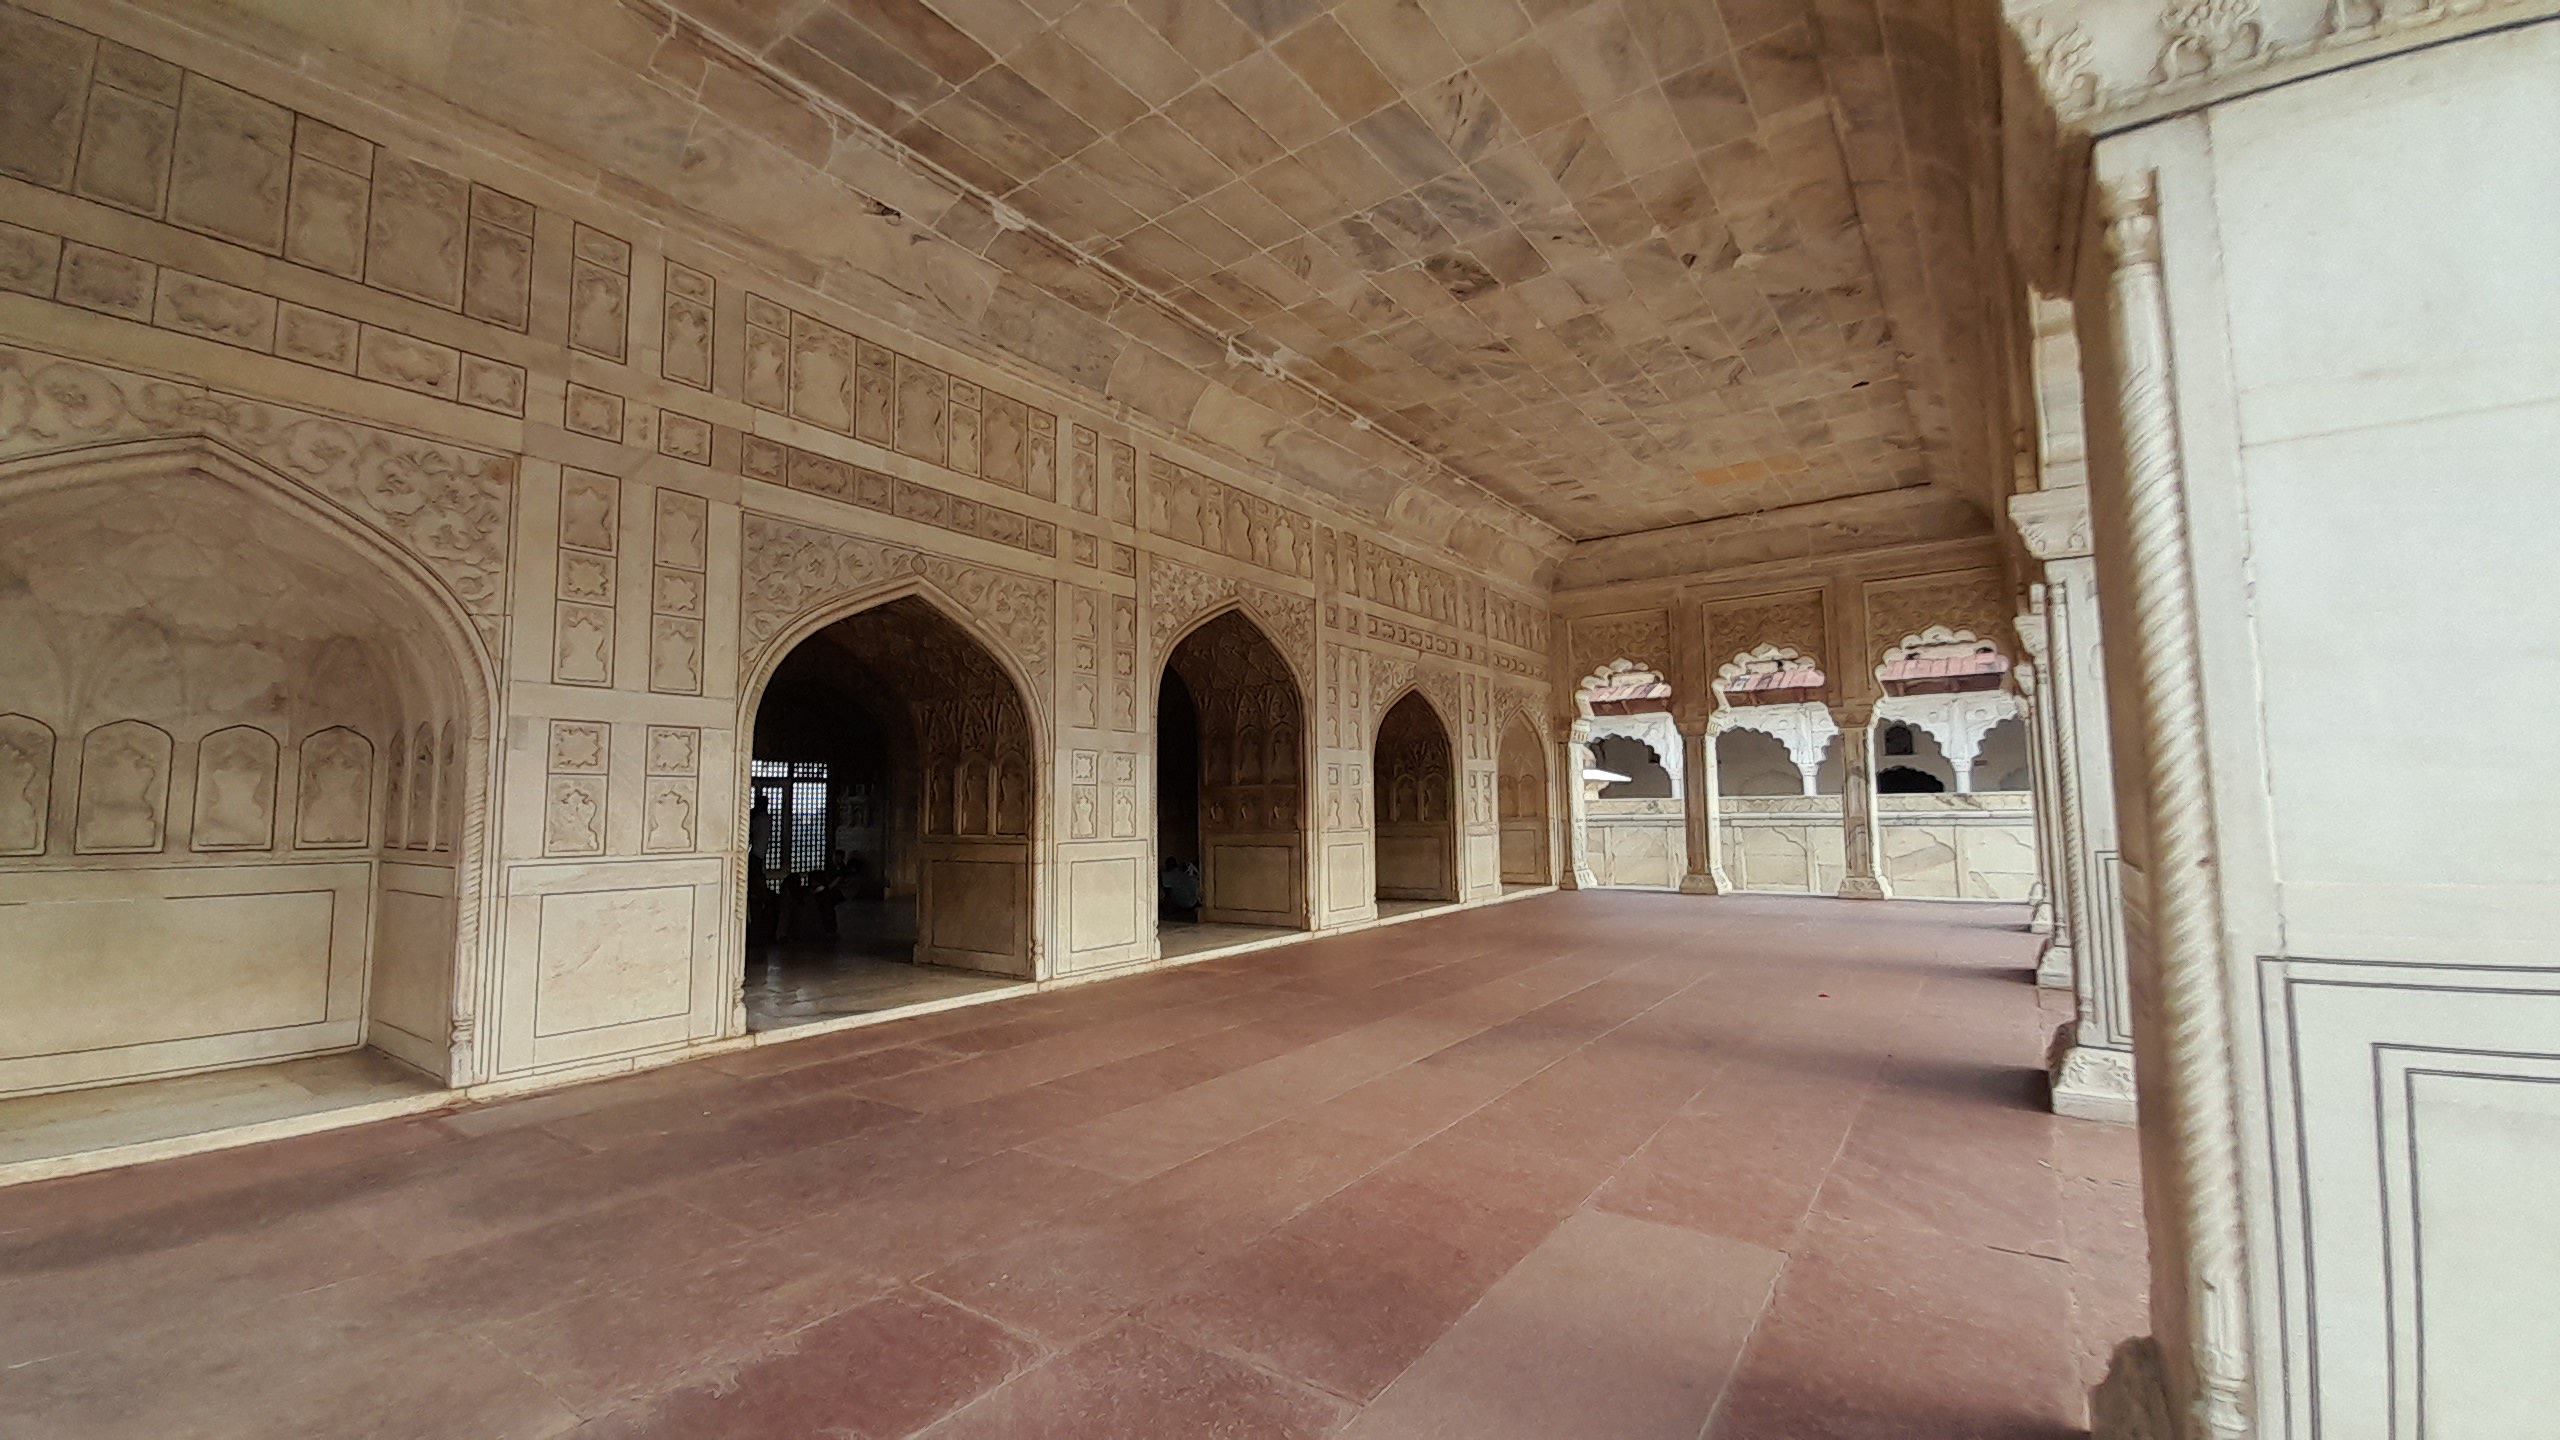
[1253, 753]
[976, 762]
[1439, 707]
[769, 658]
[1246, 614]
[255, 620]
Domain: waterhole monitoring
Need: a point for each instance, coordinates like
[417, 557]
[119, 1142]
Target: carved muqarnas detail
[444, 504]
[792, 571]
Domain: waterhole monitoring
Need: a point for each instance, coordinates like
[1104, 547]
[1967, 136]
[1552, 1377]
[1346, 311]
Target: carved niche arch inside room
[245, 741]
[1522, 786]
[893, 801]
[1230, 794]
[1415, 814]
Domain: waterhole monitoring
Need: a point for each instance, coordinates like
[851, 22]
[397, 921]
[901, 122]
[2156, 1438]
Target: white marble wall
[2326, 394]
[580, 480]
[1938, 847]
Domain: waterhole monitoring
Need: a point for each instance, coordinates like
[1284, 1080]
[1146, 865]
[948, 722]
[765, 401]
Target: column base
[2132, 1403]
[2054, 965]
[1865, 887]
[2090, 1082]
[2040, 919]
[1706, 882]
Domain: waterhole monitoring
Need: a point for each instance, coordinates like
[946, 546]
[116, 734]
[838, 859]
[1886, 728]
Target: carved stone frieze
[1974, 600]
[447, 505]
[1179, 594]
[800, 366]
[1390, 578]
[792, 570]
[1792, 621]
[2098, 58]
[1643, 636]
[1185, 505]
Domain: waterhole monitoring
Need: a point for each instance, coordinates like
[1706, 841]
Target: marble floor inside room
[1588, 1164]
[1177, 938]
[866, 967]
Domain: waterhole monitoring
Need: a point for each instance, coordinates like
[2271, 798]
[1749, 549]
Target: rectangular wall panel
[112, 975]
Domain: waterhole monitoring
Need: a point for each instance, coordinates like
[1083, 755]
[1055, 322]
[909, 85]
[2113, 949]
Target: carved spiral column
[1861, 838]
[2185, 910]
[1700, 806]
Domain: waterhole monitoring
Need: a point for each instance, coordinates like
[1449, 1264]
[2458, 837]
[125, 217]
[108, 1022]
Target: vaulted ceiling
[1623, 263]
[1577, 288]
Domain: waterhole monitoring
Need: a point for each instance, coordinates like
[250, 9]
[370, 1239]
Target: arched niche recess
[242, 777]
[1415, 815]
[1522, 770]
[1247, 772]
[898, 697]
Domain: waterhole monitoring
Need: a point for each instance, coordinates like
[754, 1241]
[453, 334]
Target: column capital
[2052, 524]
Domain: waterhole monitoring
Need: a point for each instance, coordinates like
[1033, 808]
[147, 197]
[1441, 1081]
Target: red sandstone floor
[1616, 1165]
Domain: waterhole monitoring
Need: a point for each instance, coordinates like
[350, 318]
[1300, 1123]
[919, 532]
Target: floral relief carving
[1785, 621]
[1185, 505]
[1973, 600]
[792, 570]
[1643, 636]
[1178, 594]
[447, 505]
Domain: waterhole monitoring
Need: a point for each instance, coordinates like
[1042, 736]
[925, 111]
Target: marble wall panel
[584, 598]
[127, 145]
[231, 166]
[613, 957]
[689, 309]
[123, 804]
[1107, 902]
[236, 962]
[498, 260]
[678, 585]
[578, 756]
[26, 784]
[235, 801]
[329, 211]
[415, 232]
[599, 294]
[47, 66]
[334, 780]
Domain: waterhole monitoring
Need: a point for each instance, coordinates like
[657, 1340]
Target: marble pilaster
[1706, 874]
[1861, 841]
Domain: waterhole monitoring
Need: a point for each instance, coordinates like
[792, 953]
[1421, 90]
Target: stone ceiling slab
[1624, 264]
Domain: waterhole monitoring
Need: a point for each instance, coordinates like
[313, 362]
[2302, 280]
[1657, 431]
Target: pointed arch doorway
[893, 807]
[1230, 794]
[1416, 813]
